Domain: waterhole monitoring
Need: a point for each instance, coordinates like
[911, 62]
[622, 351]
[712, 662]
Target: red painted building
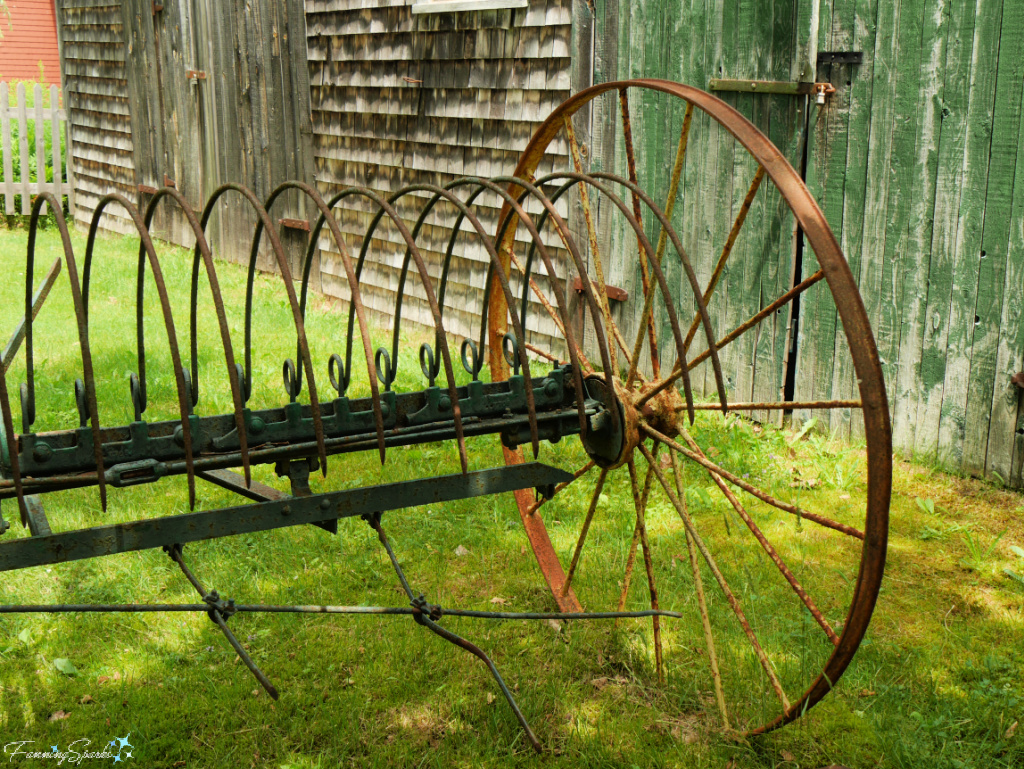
[28, 46]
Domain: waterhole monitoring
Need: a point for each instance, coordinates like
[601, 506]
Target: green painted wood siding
[923, 139]
[914, 161]
[691, 42]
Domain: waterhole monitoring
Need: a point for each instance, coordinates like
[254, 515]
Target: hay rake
[625, 399]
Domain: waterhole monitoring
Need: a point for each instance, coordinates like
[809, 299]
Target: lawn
[937, 681]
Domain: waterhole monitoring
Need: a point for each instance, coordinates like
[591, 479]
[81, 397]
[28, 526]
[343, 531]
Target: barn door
[724, 48]
[165, 79]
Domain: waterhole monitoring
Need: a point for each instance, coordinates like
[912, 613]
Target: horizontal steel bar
[91, 608]
[552, 426]
[784, 87]
[244, 519]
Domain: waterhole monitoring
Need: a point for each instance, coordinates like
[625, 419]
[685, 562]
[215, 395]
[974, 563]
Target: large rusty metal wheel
[751, 670]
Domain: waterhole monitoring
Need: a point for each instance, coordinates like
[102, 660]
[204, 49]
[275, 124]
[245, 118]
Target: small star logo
[54, 748]
[120, 743]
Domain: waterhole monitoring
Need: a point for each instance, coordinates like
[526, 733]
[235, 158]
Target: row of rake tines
[382, 366]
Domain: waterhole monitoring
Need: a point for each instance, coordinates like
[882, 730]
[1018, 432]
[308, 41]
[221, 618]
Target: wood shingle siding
[487, 79]
[96, 100]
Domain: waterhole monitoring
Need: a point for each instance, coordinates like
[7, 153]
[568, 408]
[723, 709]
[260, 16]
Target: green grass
[936, 683]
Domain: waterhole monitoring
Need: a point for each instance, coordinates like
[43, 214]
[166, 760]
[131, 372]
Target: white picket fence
[40, 116]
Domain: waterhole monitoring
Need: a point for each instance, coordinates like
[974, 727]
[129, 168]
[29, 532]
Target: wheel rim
[666, 409]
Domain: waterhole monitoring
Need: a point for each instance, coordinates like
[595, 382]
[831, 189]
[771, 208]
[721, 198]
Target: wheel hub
[663, 411]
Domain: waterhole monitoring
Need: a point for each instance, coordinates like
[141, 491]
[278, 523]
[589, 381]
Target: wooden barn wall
[917, 166]
[400, 99]
[91, 34]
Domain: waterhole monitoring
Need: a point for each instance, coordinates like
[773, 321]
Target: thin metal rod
[259, 608]
[702, 602]
[646, 316]
[730, 596]
[176, 555]
[770, 549]
[639, 498]
[750, 489]
[586, 528]
[737, 225]
[733, 335]
[423, 619]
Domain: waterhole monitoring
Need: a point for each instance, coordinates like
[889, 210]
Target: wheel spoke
[640, 503]
[733, 335]
[542, 353]
[768, 548]
[737, 225]
[578, 474]
[631, 559]
[606, 310]
[630, 562]
[720, 579]
[627, 134]
[646, 318]
[750, 489]
[583, 533]
[705, 619]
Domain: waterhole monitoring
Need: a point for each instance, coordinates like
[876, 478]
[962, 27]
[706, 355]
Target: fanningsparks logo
[117, 751]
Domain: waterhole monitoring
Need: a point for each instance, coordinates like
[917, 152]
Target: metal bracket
[614, 293]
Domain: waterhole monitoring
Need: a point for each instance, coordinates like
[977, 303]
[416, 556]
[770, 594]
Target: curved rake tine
[357, 310]
[203, 251]
[147, 251]
[642, 237]
[541, 221]
[520, 330]
[588, 290]
[81, 316]
[9, 435]
[435, 311]
[486, 185]
[263, 222]
[659, 275]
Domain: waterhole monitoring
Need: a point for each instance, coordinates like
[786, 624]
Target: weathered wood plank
[952, 144]
[991, 400]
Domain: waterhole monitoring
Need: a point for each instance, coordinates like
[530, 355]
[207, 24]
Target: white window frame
[453, 6]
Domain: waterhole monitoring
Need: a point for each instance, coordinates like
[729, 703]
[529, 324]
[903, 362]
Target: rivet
[286, 510]
[42, 452]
